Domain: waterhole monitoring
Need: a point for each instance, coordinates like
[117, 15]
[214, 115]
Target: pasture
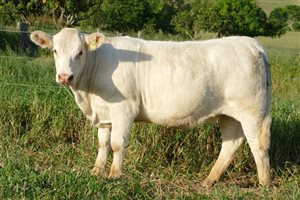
[47, 147]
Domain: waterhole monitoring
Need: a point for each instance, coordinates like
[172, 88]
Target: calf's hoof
[115, 173]
[265, 183]
[96, 171]
[207, 183]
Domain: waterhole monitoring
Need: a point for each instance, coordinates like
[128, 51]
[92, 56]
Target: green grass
[47, 147]
[289, 41]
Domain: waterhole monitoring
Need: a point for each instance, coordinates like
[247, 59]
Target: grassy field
[47, 147]
[288, 42]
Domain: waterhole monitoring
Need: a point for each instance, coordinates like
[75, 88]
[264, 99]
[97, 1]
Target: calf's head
[70, 48]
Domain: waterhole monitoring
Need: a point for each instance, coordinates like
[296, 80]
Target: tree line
[184, 17]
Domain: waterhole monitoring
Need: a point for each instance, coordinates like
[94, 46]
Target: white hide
[177, 84]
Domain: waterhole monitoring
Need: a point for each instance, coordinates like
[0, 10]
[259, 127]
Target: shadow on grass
[285, 143]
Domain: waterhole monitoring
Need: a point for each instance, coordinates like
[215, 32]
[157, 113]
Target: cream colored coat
[119, 80]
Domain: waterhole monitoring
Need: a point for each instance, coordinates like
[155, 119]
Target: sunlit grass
[288, 42]
[47, 147]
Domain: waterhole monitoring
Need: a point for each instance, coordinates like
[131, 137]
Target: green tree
[163, 11]
[232, 17]
[183, 23]
[135, 15]
[64, 12]
[294, 16]
[122, 15]
[293, 12]
[7, 13]
[288, 15]
[227, 17]
[296, 26]
[91, 16]
[21, 10]
[162, 17]
[280, 14]
[277, 21]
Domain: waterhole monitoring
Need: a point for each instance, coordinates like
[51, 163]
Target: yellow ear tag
[93, 45]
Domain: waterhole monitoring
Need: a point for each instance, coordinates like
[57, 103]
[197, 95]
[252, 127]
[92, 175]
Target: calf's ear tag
[93, 45]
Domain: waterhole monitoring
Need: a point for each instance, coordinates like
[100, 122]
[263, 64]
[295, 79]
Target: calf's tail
[264, 136]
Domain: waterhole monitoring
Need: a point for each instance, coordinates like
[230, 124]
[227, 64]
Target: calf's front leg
[103, 140]
[119, 140]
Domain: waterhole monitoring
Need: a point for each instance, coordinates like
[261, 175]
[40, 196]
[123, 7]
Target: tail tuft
[264, 136]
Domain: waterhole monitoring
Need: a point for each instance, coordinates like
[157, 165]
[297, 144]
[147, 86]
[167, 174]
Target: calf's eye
[78, 55]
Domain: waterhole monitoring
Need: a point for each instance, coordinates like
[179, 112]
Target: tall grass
[47, 146]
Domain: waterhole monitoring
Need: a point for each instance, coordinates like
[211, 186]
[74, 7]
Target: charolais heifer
[117, 81]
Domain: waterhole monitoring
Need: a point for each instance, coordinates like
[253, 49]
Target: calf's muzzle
[65, 79]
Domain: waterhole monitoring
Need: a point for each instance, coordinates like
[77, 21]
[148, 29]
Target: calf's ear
[94, 40]
[42, 39]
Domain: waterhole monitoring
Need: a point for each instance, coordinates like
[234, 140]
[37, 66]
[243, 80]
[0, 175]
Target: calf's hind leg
[232, 138]
[261, 155]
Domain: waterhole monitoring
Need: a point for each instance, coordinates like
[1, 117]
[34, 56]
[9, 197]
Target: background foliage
[184, 17]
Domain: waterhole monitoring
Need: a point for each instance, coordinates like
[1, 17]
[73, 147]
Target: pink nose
[65, 79]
